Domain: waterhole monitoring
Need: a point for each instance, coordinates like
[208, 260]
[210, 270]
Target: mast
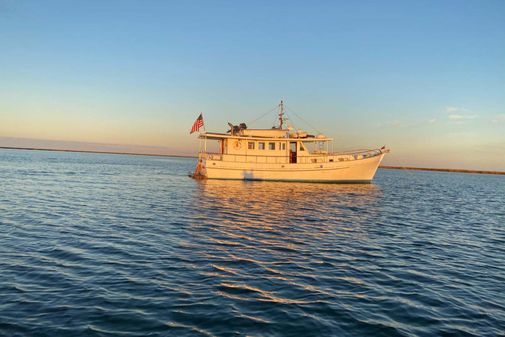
[281, 114]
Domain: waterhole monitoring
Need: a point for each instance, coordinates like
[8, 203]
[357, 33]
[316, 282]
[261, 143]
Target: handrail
[307, 159]
[355, 151]
[375, 151]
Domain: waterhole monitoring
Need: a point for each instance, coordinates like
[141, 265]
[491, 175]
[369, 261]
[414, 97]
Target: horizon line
[188, 156]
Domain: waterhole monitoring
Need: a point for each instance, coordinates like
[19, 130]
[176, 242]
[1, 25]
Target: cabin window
[302, 148]
[271, 146]
[261, 146]
[283, 146]
[250, 145]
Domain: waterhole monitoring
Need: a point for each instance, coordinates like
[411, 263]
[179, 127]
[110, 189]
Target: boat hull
[354, 171]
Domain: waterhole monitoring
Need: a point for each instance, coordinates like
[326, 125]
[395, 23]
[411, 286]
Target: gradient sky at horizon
[427, 78]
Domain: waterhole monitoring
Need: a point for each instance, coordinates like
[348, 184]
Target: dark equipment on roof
[235, 129]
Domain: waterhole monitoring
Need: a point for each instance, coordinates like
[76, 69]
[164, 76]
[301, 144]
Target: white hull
[362, 170]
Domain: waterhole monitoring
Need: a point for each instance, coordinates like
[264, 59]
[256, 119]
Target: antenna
[281, 114]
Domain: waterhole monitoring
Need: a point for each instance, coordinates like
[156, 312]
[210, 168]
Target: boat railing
[364, 153]
[285, 159]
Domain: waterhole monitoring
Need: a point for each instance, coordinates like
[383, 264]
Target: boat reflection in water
[289, 199]
[261, 239]
[277, 206]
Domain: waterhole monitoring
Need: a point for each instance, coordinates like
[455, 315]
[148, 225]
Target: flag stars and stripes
[197, 124]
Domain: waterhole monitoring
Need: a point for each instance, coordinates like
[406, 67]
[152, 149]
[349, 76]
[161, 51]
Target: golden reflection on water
[274, 207]
[289, 197]
[270, 226]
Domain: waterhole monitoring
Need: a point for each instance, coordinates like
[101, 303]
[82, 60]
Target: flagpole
[204, 130]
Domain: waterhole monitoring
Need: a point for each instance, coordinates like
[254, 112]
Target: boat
[282, 153]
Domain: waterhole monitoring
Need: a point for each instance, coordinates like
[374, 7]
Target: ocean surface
[121, 245]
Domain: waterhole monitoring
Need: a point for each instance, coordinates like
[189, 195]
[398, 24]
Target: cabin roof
[217, 136]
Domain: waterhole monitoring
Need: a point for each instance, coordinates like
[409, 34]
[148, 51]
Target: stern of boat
[200, 169]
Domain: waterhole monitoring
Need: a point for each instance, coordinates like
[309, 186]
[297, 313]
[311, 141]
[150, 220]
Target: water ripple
[113, 245]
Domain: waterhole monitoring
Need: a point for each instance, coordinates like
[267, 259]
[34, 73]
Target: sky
[425, 78]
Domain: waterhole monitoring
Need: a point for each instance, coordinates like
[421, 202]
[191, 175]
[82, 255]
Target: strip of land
[440, 169]
[99, 152]
[183, 156]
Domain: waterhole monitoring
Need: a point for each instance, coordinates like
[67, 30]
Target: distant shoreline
[387, 167]
[440, 169]
[99, 152]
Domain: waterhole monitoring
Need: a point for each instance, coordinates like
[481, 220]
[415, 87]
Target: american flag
[197, 124]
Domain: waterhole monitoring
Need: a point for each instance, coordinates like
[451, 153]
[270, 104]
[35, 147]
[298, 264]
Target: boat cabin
[269, 146]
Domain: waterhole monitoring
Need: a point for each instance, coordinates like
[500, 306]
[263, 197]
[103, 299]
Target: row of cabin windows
[271, 146]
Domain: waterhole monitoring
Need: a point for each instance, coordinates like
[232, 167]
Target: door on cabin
[292, 152]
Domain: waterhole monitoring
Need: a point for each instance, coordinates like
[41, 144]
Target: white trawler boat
[282, 154]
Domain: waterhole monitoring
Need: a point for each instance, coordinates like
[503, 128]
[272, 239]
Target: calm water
[117, 245]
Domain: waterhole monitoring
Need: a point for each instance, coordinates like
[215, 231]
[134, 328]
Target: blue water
[118, 245]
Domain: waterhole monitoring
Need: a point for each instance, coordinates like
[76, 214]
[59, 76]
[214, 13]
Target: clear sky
[426, 78]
